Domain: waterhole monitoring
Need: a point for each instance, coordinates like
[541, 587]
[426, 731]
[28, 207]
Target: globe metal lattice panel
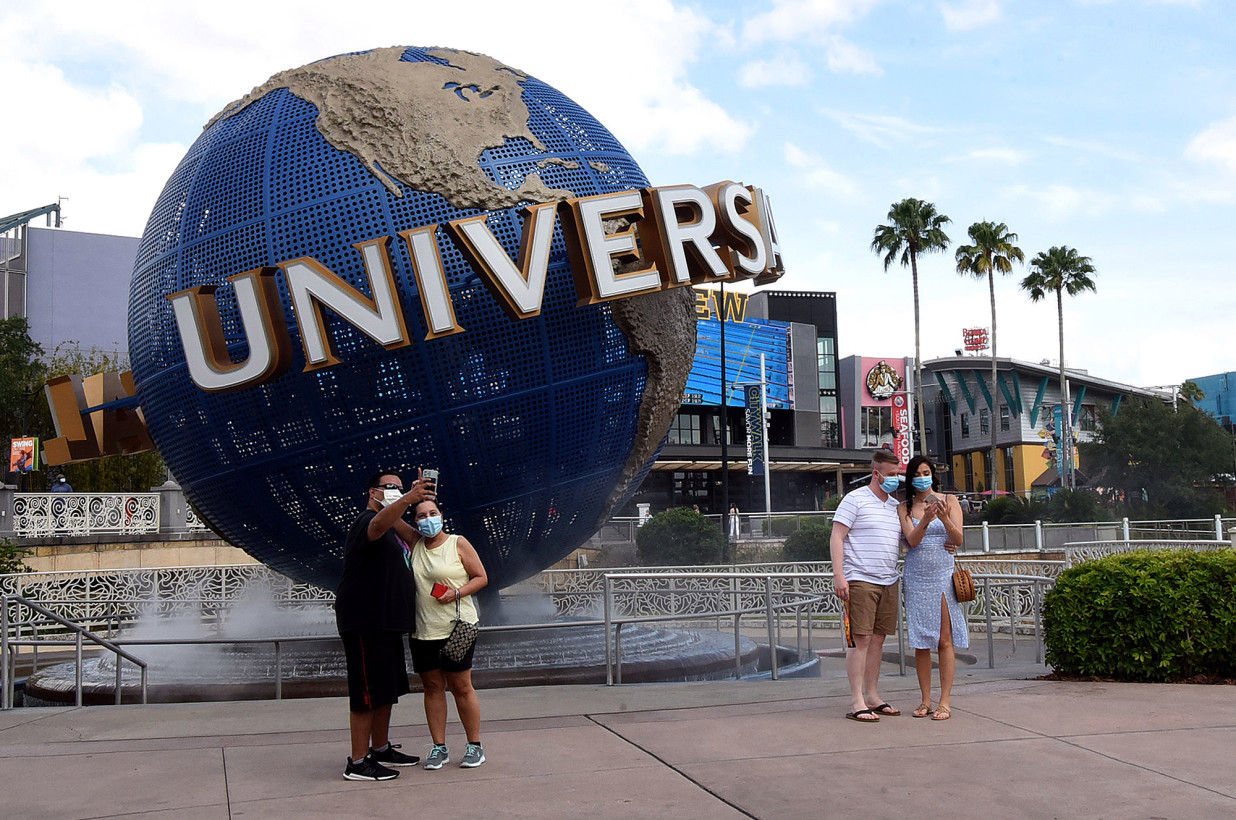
[530, 422]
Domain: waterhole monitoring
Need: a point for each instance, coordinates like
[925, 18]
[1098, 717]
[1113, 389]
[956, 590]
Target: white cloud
[1216, 145]
[968, 15]
[1007, 156]
[816, 173]
[92, 75]
[879, 129]
[815, 21]
[784, 70]
[1059, 202]
[798, 19]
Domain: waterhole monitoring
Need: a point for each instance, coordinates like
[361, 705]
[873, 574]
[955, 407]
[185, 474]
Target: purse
[460, 641]
[963, 585]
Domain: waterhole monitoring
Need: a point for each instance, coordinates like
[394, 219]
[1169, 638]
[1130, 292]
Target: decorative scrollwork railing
[40, 515]
[1077, 552]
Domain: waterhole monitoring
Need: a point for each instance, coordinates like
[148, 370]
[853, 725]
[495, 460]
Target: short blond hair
[883, 457]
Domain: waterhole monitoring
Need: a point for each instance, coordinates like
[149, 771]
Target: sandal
[923, 710]
[943, 713]
[872, 717]
[886, 710]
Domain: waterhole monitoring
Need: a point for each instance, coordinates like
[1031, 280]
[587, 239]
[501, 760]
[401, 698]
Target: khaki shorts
[873, 608]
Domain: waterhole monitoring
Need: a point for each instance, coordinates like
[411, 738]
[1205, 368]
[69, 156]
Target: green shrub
[1067, 506]
[809, 542]
[831, 503]
[1145, 616]
[782, 527]
[1007, 509]
[679, 537]
[11, 557]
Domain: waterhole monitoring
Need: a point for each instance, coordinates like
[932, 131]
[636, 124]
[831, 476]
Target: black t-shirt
[377, 591]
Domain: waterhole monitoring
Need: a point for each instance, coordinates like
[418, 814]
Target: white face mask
[390, 497]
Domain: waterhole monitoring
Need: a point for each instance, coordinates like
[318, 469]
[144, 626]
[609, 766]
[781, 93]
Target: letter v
[518, 286]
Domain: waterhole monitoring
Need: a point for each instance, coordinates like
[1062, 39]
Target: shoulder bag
[462, 637]
[963, 585]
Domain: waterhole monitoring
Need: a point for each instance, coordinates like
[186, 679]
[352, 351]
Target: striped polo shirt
[873, 543]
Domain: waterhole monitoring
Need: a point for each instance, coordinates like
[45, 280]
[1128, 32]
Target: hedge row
[1145, 616]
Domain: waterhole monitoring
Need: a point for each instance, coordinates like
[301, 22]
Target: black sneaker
[367, 769]
[391, 756]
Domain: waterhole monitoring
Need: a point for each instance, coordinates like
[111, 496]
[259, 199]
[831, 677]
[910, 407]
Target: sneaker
[391, 756]
[474, 756]
[438, 757]
[367, 769]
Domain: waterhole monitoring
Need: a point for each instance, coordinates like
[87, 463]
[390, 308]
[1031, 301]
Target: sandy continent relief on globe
[422, 124]
[425, 125]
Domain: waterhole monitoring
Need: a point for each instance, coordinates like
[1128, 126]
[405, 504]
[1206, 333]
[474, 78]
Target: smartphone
[432, 476]
[438, 590]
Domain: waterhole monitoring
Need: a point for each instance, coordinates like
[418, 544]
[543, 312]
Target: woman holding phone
[447, 572]
[931, 523]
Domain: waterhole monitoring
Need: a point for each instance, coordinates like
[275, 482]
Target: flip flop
[855, 716]
[886, 710]
[923, 710]
[943, 713]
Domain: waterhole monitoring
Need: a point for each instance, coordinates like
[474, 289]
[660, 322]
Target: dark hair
[912, 468]
[432, 501]
[376, 478]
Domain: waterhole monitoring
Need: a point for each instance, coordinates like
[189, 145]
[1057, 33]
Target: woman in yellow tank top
[448, 566]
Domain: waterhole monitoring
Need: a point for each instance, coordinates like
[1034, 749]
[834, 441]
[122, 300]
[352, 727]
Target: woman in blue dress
[932, 525]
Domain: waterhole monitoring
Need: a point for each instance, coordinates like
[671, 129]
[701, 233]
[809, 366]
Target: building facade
[1026, 410]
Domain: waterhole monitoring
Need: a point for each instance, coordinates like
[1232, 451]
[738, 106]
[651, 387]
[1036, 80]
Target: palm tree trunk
[995, 393]
[918, 364]
[1066, 432]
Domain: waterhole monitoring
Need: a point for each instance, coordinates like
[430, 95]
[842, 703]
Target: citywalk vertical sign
[757, 444]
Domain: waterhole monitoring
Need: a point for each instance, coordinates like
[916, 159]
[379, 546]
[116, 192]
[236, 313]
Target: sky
[1108, 126]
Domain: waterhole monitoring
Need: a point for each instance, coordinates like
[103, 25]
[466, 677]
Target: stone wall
[121, 552]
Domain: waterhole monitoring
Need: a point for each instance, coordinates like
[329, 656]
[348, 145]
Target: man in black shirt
[374, 608]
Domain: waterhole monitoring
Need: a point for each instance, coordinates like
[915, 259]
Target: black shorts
[426, 657]
[377, 673]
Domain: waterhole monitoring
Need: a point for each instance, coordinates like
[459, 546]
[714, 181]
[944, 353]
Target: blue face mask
[891, 483]
[429, 527]
[922, 483]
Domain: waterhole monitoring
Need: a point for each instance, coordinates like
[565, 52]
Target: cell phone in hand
[438, 590]
[431, 476]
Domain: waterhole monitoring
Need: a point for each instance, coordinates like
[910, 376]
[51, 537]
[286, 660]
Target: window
[1004, 418]
[970, 484]
[877, 427]
[984, 423]
[1010, 471]
[684, 430]
[1089, 420]
[965, 426]
[826, 362]
[830, 429]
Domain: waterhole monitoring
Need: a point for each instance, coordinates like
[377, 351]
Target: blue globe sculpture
[540, 427]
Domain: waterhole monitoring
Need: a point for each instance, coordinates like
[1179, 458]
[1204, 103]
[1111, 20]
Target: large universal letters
[201, 332]
[620, 244]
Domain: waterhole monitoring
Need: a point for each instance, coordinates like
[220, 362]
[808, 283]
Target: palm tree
[1061, 270]
[992, 252]
[913, 227]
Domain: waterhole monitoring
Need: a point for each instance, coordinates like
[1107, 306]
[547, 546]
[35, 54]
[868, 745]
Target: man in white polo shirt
[865, 545]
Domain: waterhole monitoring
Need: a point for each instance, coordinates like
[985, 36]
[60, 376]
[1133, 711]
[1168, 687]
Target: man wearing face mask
[865, 545]
[374, 608]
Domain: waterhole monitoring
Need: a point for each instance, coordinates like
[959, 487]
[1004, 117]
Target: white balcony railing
[40, 515]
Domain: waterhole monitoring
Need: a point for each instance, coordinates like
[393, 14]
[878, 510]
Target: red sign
[975, 338]
[901, 429]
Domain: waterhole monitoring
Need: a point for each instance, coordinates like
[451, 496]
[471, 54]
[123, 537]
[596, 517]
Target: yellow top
[439, 565]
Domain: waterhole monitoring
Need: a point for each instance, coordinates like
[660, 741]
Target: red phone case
[438, 590]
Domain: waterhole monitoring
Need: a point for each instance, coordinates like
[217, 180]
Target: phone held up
[431, 476]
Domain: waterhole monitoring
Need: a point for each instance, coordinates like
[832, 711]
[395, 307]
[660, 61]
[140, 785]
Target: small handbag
[462, 637]
[963, 585]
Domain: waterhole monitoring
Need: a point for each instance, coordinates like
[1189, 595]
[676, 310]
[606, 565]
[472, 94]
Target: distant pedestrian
[735, 522]
[62, 486]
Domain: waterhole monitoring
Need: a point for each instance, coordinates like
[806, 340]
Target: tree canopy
[1179, 458]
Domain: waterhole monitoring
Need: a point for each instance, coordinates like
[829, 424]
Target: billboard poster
[901, 429]
[884, 385]
[23, 455]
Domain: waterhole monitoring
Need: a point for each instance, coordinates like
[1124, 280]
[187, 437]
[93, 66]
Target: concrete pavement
[1015, 747]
